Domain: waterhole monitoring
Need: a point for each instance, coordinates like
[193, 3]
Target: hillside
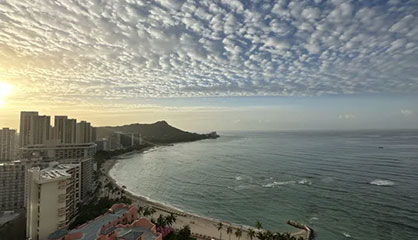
[158, 132]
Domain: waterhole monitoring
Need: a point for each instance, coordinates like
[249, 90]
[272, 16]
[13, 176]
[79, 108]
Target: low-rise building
[120, 222]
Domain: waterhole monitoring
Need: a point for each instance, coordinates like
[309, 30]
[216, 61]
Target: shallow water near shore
[352, 184]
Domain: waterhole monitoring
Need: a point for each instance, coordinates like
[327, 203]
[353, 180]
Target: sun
[5, 90]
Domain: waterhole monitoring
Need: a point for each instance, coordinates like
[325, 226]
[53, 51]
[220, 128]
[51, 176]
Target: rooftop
[90, 230]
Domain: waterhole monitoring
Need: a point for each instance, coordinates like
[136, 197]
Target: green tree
[238, 233]
[140, 210]
[184, 233]
[229, 231]
[258, 225]
[161, 221]
[251, 233]
[220, 226]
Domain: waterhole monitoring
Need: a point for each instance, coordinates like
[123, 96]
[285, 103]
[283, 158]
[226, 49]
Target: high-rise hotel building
[65, 129]
[53, 195]
[34, 129]
[8, 145]
[69, 143]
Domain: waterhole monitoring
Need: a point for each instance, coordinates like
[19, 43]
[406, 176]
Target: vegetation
[258, 225]
[229, 231]
[96, 208]
[220, 226]
[268, 235]
[165, 221]
[183, 234]
[159, 132]
[238, 233]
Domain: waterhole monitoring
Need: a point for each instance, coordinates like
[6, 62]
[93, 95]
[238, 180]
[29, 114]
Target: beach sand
[201, 227]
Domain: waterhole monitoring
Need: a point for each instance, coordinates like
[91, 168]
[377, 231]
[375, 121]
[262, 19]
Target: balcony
[62, 198]
[61, 211]
[62, 185]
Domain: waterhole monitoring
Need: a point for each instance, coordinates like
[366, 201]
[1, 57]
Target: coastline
[201, 227]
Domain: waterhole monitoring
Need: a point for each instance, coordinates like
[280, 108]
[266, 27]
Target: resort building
[77, 153]
[65, 130]
[8, 145]
[84, 132]
[12, 185]
[53, 194]
[120, 222]
[34, 129]
[56, 151]
[102, 145]
[115, 141]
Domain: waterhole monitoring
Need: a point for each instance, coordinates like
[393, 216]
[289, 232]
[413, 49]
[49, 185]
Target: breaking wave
[380, 182]
[275, 183]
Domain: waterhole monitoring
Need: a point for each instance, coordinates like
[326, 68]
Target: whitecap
[380, 182]
[238, 178]
[347, 235]
[269, 185]
[304, 182]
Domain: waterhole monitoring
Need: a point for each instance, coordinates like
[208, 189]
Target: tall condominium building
[51, 199]
[34, 129]
[115, 141]
[68, 153]
[65, 130]
[12, 185]
[84, 132]
[8, 145]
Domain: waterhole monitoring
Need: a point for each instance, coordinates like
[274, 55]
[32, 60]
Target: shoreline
[202, 227]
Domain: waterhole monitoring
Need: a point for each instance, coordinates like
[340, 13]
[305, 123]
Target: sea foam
[275, 183]
[380, 182]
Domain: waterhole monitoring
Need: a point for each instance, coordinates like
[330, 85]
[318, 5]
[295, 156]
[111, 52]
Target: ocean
[344, 184]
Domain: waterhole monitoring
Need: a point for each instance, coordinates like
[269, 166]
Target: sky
[212, 65]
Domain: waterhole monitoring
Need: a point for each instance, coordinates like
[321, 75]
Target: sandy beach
[201, 227]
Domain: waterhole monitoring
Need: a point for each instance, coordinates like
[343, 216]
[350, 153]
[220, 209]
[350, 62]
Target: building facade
[8, 145]
[65, 129]
[51, 200]
[120, 222]
[34, 129]
[12, 185]
[84, 132]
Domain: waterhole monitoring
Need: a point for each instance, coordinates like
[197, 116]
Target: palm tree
[184, 233]
[140, 210]
[261, 235]
[258, 225]
[238, 233]
[152, 211]
[161, 221]
[229, 231]
[269, 235]
[251, 233]
[146, 211]
[169, 220]
[173, 217]
[220, 226]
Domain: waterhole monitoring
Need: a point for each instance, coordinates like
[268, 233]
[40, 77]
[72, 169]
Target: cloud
[346, 116]
[407, 112]
[72, 51]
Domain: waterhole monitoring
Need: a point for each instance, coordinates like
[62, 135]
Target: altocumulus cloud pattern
[139, 48]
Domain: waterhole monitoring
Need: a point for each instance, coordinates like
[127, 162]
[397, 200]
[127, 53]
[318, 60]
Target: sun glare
[5, 90]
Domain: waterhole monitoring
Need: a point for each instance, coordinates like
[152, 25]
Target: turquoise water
[340, 183]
